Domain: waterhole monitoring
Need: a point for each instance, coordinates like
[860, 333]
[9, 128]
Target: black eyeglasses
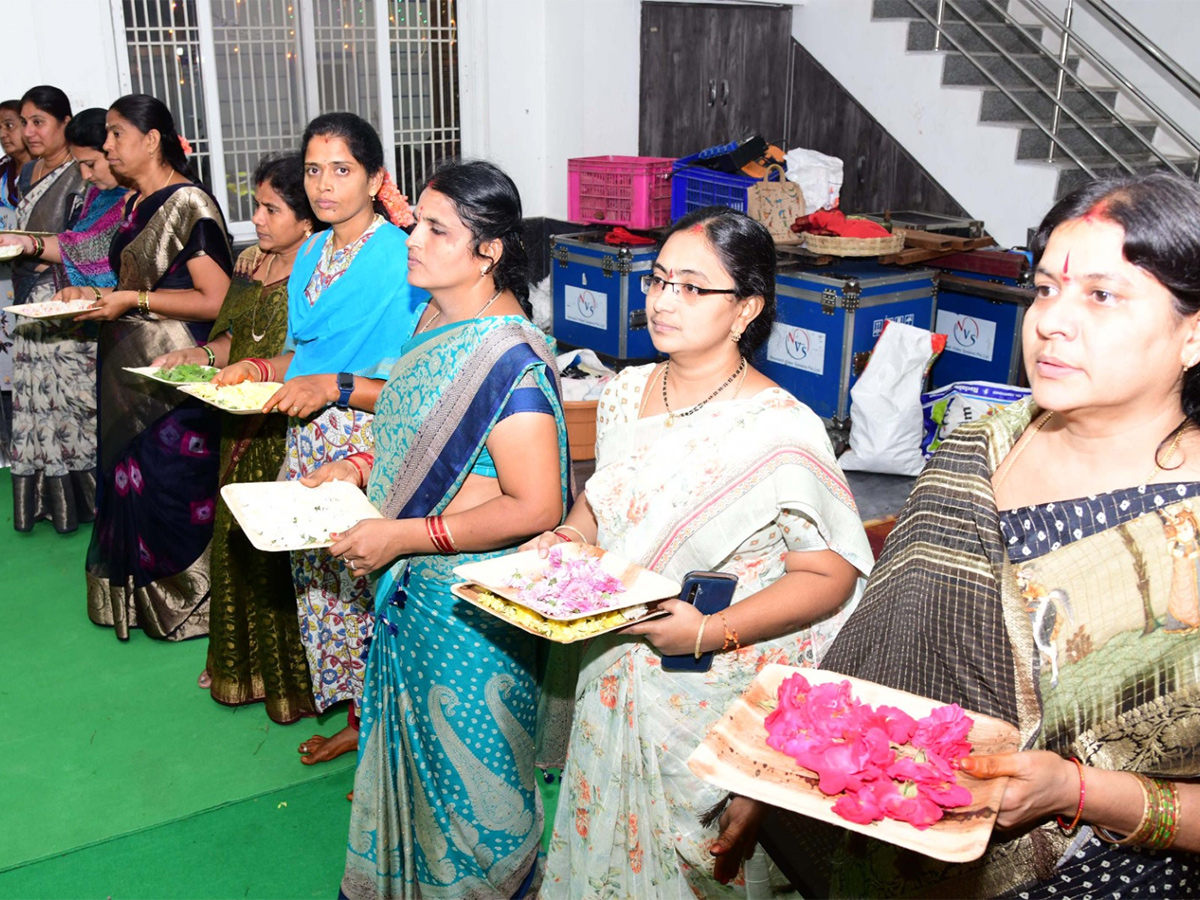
[652, 284]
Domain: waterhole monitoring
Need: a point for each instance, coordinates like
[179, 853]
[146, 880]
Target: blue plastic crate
[694, 187]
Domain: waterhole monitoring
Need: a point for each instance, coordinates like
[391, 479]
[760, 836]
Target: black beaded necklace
[687, 412]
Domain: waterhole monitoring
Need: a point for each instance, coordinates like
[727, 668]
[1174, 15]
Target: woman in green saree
[254, 648]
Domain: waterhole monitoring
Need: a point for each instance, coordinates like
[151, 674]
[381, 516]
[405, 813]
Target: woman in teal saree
[469, 459]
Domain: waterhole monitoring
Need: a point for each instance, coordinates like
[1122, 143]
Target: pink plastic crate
[634, 191]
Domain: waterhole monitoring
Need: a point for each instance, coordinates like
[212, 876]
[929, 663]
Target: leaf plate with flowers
[860, 755]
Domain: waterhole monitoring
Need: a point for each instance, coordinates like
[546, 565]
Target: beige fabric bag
[777, 204]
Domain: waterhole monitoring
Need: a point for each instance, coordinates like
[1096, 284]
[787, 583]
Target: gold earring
[735, 335]
[485, 269]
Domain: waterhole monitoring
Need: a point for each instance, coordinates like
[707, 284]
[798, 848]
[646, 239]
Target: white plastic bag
[597, 375]
[886, 419]
[540, 300]
[819, 177]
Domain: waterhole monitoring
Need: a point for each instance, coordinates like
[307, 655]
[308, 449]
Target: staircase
[1011, 52]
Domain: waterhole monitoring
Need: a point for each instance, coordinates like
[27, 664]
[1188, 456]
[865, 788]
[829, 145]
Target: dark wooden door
[712, 73]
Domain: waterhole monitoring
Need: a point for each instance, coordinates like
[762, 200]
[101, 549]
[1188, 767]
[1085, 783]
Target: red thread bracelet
[561, 535]
[1079, 811]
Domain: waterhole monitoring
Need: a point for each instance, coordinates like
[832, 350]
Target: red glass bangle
[362, 475]
[1079, 810]
[435, 527]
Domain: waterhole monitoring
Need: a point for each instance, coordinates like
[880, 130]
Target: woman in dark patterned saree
[1044, 571]
[147, 566]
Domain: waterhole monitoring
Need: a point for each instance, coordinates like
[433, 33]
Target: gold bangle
[96, 291]
[1156, 829]
[700, 636]
[143, 301]
[576, 530]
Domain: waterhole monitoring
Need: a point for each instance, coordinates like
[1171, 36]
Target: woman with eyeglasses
[702, 463]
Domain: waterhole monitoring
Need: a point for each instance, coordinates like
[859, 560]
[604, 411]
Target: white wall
[547, 80]
[66, 43]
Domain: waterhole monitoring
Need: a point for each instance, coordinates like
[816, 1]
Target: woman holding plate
[54, 383]
[469, 459]
[702, 463]
[350, 310]
[147, 566]
[1044, 572]
[254, 649]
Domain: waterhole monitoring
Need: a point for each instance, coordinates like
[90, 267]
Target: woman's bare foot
[204, 682]
[322, 749]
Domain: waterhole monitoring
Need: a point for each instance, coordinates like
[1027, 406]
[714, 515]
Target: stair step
[996, 107]
[1034, 144]
[959, 70]
[975, 10]
[1071, 177]
[1010, 37]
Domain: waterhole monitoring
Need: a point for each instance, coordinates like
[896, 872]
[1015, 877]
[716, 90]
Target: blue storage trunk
[827, 322]
[981, 314]
[597, 295]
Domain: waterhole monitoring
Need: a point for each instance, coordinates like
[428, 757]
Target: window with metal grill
[243, 77]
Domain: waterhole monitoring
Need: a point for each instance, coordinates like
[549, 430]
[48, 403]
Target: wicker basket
[850, 246]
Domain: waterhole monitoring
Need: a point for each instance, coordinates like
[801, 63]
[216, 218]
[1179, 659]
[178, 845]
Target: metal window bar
[425, 71]
[276, 63]
[163, 41]
[260, 90]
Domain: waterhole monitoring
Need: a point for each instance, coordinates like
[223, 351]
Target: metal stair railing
[1070, 40]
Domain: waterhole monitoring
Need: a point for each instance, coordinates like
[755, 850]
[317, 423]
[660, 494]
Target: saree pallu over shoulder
[163, 232]
[362, 318]
[52, 204]
[486, 358]
[446, 803]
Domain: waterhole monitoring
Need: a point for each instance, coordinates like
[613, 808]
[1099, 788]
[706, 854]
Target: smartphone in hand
[709, 592]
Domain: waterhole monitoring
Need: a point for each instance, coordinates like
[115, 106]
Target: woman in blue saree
[469, 459]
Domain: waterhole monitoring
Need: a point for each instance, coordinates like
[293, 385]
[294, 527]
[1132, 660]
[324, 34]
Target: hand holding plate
[107, 308]
[366, 546]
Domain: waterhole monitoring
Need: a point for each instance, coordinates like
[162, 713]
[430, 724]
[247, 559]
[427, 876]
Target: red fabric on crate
[624, 236]
[833, 222]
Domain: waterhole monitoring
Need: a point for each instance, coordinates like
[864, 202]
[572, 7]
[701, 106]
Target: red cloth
[834, 222]
[623, 236]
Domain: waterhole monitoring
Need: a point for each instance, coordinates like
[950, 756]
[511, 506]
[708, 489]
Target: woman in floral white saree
[702, 464]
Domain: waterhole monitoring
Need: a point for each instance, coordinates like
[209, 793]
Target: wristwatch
[345, 383]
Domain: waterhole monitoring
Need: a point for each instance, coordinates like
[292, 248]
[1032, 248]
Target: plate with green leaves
[185, 374]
